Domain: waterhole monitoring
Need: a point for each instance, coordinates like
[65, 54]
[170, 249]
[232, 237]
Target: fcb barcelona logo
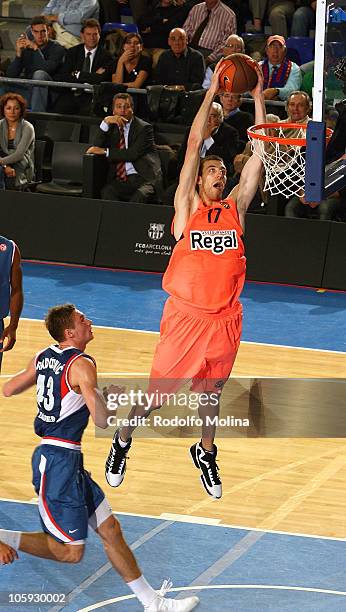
[3, 247]
[156, 231]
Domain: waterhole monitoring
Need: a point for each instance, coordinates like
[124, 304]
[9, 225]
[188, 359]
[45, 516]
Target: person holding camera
[39, 59]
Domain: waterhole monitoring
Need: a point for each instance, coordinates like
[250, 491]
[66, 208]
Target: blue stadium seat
[127, 27]
[304, 46]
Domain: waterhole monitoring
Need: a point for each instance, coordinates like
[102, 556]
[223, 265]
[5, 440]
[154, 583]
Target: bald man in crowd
[180, 65]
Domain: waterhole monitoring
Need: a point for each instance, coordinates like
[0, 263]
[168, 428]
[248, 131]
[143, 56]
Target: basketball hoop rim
[298, 142]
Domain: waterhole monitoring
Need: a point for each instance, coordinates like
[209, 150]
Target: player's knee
[110, 531]
[73, 554]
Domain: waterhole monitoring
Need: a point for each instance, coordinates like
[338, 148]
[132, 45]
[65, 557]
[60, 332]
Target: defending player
[201, 323]
[68, 498]
[11, 293]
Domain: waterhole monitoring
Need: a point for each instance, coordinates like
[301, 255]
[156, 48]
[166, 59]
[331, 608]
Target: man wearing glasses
[233, 44]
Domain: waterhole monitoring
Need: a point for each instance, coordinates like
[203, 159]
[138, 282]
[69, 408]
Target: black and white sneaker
[116, 462]
[206, 462]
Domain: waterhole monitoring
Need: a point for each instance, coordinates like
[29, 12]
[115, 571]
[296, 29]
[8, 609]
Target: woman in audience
[132, 68]
[17, 142]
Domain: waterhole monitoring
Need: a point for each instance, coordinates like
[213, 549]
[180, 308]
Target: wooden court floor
[284, 484]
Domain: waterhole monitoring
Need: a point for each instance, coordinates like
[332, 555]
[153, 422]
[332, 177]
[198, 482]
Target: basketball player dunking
[202, 319]
[68, 499]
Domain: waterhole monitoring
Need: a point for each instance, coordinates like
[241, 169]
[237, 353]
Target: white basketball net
[284, 164]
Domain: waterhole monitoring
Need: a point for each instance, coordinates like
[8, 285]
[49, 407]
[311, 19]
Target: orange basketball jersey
[207, 266]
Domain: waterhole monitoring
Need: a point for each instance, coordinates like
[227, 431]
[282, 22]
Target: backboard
[325, 170]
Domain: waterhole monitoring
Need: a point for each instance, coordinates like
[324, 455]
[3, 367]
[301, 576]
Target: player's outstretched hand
[7, 554]
[258, 90]
[215, 80]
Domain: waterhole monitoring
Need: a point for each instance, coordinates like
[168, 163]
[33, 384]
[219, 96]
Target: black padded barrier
[135, 236]
[51, 228]
[334, 276]
[138, 237]
[281, 250]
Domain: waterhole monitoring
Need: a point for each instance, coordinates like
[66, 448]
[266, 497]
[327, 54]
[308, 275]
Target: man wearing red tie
[128, 143]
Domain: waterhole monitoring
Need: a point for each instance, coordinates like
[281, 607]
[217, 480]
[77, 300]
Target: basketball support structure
[319, 181]
[316, 130]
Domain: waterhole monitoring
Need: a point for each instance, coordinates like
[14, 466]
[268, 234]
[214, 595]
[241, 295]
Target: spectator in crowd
[233, 116]
[279, 12]
[128, 143]
[17, 142]
[110, 10]
[132, 68]
[241, 159]
[219, 139]
[180, 65]
[331, 209]
[84, 63]
[67, 17]
[156, 24]
[261, 197]
[39, 58]
[233, 44]
[331, 83]
[242, 11]
[331, 116]
[281, 76]
[207, 26]
[298, 107]
[304, 18]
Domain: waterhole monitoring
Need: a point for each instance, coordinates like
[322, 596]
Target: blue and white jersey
[7, 248]
[62, 413]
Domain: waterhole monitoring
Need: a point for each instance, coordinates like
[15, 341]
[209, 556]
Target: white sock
[122, 443]
[143, 591]
[12, 538]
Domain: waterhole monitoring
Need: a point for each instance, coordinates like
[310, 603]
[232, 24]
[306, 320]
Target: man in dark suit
[128, 142]
[85, 63]
[235, 117]
[219, 139]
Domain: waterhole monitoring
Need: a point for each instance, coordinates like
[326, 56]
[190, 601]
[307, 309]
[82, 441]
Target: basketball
[238, 73]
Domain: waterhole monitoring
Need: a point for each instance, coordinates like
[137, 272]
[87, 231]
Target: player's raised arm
[21, 381]
[251, 173]
[185, 196]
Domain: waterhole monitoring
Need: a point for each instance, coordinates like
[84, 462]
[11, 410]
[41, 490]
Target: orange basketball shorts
[195, 345]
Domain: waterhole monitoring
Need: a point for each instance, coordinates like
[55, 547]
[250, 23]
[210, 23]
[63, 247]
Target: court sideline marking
[196, 520]
[157, 333]
[273, 587]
